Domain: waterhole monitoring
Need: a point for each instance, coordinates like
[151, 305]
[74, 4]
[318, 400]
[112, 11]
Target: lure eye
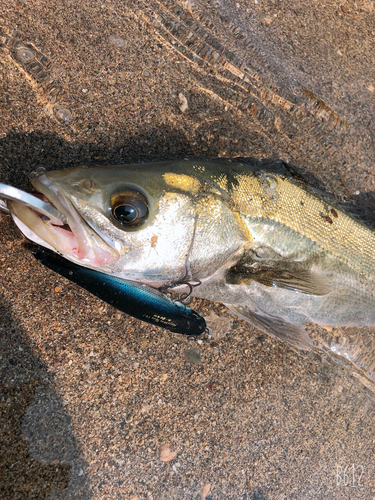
[130, 208]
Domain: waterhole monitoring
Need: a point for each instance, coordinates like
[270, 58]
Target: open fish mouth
[66, 231]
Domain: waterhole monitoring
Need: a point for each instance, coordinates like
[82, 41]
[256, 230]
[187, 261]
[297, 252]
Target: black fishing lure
[139, 301]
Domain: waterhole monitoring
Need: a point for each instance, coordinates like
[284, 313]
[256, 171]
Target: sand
[98, 405]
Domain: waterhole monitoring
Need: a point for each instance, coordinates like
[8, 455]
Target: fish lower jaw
[58, 238]
[62, 239]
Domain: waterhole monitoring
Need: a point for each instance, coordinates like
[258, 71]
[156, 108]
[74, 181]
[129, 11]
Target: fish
[250, 234]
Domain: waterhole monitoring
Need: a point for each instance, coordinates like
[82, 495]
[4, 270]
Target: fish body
[248, 235]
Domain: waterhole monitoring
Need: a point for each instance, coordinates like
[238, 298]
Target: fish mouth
[73, 237]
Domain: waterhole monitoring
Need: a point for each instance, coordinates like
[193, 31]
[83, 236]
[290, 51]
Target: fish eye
[129, 207]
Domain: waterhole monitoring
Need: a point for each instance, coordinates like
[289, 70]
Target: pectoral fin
[284, 274]
[275, 327]
[311, 283]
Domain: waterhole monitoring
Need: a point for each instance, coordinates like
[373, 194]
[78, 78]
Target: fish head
[156, 223]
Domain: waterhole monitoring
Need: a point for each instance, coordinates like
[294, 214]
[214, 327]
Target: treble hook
[185, 299]
[206, 335]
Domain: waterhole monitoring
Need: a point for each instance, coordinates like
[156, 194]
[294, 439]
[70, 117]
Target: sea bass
[249, 235]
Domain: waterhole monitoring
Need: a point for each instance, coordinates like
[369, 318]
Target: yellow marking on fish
[222, 182]
[154, 240]
[243, 227]
[337, 233]
[183, 182]
[200, 168]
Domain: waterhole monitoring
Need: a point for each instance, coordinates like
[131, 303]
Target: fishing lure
[137, 300]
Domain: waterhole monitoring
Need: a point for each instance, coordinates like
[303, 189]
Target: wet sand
[88, 395]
